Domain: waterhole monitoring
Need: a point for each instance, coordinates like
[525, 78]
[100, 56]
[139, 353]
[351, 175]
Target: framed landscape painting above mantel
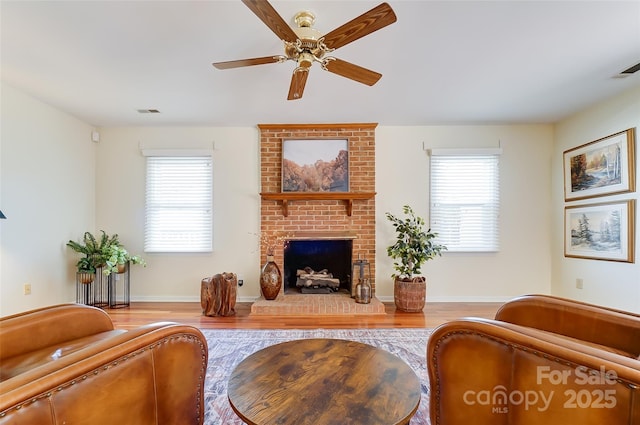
[602, 167]
[602, 231]
[315, 165]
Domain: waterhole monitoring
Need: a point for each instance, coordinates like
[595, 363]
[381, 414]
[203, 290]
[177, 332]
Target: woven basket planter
[410, 295]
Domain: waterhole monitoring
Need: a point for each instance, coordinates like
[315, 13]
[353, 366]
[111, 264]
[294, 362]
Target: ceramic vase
[270, 279]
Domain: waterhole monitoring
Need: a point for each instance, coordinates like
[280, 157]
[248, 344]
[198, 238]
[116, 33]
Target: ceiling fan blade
[354, 72]
[271, 18]
[373, 20]
[298, 81]
[247, 62]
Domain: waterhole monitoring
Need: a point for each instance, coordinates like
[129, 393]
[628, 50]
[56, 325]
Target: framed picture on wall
[603, 231]
[315, 165]
[602, 167]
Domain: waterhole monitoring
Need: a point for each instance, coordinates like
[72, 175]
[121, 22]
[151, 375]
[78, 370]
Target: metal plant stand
[119, 288]
[84, 290]
[112, 291]
[93, 293]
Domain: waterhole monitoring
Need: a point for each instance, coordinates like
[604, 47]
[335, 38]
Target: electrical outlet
[27, 289]
[579, 283]
[240, 282]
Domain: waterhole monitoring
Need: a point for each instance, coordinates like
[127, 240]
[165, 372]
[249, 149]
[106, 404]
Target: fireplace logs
[316, 282]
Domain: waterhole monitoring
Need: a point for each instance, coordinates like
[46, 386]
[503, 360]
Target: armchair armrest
[68, 364]
[488, 372]
[27, 332]
[152, 374]
[617, 329]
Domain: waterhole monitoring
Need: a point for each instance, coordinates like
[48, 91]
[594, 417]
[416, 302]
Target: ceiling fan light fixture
[307, 34]
[307, 37]
[305, 45]
[304, 18]
[305, 60]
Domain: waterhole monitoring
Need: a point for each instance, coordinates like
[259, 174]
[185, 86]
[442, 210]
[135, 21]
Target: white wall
[402, 176]
[120, 208]
[47, 188]
[523, 264]
[55, 184]
[605, 282]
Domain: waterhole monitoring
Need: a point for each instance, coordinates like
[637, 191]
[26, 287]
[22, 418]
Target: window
[178, 210]
[465, 199]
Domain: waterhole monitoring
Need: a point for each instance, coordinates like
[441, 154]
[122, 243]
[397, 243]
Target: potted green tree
[414, 246]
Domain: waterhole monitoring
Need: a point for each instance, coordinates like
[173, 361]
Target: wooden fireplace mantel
[347, 197]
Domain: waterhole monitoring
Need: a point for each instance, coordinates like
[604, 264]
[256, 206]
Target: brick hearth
[321, 215]
[321, 304]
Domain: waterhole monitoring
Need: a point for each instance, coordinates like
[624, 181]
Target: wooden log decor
[218, 294]
[309, 278]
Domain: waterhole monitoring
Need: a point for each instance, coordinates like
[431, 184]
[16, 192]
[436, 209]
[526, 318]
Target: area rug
[227, 348]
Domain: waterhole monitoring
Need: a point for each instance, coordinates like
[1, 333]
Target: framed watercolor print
[603, 167]
[315, 165]
[603, 231]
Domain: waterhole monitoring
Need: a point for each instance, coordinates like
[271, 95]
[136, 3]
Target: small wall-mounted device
[95, 136]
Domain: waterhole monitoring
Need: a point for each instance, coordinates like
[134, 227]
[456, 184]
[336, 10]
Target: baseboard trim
[384, 299]
[462, 299]
[182, 299]
[459, 299]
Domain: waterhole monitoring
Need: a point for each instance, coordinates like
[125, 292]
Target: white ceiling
[443, 62]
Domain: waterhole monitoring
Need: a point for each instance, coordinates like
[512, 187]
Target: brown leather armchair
[542, 360]
[67, 364]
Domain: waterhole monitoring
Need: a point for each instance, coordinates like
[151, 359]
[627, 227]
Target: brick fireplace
[321, 215]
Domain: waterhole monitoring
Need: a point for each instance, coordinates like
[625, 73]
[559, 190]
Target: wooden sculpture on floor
[218, 294]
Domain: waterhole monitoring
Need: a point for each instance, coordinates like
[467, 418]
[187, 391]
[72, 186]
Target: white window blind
[179, 204]
[465, 199]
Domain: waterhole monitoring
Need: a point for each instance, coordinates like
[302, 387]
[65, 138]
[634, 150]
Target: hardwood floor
[140, 313]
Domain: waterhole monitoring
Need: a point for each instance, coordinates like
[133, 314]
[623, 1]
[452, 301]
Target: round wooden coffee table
[324, 381]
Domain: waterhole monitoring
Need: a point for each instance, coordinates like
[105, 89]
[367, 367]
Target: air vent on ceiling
[635, 68]
[148, 111]
[629, 71]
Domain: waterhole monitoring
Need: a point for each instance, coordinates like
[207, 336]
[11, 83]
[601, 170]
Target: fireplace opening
[317, 266]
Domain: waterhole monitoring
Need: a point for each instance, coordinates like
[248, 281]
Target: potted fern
[105, 253]
[86, 270]
[414, 246]
[93, 249]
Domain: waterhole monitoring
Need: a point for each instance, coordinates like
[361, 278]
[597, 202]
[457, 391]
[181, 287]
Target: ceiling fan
[306, 45]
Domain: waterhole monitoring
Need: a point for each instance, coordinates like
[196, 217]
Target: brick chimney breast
[321, 216]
